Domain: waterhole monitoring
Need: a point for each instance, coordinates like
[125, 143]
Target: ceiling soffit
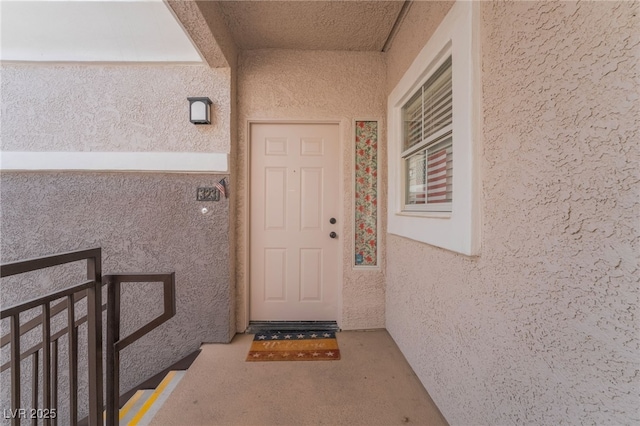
[310, 25]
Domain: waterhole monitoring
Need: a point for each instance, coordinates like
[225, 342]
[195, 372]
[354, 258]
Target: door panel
[294, 264]
[275, 208]
[311, 198]
[275, 274]
[310, 274]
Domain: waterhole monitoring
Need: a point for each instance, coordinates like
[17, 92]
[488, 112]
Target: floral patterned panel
[366, 190]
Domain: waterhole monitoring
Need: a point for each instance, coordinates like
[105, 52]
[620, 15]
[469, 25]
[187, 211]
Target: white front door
[294, 262]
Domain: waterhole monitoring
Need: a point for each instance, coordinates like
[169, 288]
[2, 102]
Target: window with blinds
[427, 144]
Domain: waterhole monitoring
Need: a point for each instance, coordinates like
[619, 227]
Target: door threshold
[262, 326]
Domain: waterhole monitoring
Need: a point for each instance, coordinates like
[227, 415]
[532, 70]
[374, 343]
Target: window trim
[458, 230]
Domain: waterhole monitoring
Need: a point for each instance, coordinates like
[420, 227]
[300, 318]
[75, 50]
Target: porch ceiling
[310, 25]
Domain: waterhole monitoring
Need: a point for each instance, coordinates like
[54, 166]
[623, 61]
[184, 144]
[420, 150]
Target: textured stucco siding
[112, 108]
[542, 327]
[144, 223]
[316, 85]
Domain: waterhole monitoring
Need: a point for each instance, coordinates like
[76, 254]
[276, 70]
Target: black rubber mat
[259, 326]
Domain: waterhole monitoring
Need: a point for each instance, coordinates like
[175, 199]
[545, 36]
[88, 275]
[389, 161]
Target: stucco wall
[145, 222]
[542, 327]
[112, 108]
[314, 85]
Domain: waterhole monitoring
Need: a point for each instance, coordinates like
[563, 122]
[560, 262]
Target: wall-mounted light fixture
[200, 110]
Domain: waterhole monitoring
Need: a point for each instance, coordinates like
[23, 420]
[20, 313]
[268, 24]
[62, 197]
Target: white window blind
[427, 143]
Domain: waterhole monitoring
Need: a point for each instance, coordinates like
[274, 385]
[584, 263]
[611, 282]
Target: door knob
[332, 220]
[333, 235]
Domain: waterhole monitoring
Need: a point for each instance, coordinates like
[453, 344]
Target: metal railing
[115, 344]
[92, 290]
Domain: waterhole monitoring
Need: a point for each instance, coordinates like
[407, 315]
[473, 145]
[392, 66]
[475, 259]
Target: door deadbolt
[332, 220]
[333, 235]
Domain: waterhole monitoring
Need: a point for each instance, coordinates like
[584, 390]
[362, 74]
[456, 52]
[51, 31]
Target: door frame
[246, 300]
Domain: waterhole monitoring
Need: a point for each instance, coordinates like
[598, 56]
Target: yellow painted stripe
[145, 407]
[294, 345]
[124, 410]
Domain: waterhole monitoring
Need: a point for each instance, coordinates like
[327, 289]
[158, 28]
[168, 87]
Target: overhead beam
[203, 23]
[396, 25]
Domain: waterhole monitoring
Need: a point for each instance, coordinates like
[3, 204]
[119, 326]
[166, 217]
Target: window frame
[425, 143]
[457, 230]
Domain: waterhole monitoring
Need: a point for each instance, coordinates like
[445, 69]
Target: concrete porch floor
[372, 384]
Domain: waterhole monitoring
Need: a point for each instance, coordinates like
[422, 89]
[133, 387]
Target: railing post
[73, 361]
[54, 380]
[35, 362]
[46, 359]
[113, 356]
[15, 368]
[94, 327]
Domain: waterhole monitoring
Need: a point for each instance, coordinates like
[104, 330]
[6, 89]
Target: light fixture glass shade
[200, 110]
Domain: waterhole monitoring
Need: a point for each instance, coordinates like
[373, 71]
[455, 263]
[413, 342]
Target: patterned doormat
[294, 346]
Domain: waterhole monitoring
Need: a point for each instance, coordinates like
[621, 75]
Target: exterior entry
[295, 258]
